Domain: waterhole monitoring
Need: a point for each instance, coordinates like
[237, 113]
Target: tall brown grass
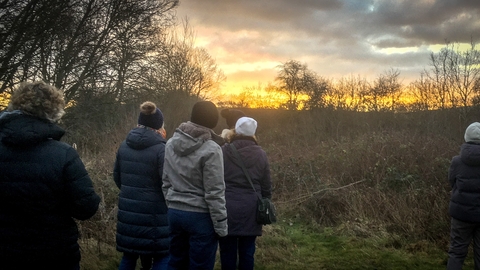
[367, 174]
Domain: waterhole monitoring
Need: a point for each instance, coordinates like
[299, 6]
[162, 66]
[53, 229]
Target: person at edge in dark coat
[237, 249]
[44, 185]
[464, 209]
[195, 191]
[231, 116]
[142, 226]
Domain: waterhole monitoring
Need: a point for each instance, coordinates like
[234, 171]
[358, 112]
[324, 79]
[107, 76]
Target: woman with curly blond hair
[44, 185]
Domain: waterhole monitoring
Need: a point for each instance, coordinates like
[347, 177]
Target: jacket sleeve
[214, 186]
[160, 162]
[452, 172]
[83, 200]
[165, 178]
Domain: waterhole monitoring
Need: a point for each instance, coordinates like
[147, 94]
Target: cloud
[333, 37]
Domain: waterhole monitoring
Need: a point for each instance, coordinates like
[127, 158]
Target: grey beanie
[472, 133]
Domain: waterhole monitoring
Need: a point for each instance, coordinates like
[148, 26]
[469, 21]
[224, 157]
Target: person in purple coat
[237, 249]
[464, 209]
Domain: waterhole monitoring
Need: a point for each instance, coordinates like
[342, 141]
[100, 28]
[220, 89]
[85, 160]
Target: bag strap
[243, 167]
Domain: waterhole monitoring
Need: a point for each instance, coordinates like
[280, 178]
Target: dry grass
[368, 175]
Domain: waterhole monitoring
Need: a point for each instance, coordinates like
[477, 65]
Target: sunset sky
[334, 38]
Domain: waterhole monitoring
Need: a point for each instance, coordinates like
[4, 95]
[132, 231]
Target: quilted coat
[44, 186]
[142, 226]
[464, 178]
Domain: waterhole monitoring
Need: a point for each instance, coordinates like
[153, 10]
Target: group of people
[183, 197]
[179, 199]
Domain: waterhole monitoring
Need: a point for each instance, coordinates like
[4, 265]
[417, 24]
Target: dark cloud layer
[333, 37]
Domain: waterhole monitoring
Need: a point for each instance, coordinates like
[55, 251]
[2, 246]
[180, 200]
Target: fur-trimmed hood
[194, 136]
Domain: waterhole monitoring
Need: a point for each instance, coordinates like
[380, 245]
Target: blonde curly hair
[38, 99]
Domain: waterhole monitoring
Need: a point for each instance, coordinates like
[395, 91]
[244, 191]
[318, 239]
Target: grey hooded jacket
[193, 174]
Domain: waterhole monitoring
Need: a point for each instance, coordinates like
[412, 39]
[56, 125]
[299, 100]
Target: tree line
[122, 51]
[113, 50]
[452, 80]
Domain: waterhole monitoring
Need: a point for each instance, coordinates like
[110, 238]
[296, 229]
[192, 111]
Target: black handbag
[266, 212]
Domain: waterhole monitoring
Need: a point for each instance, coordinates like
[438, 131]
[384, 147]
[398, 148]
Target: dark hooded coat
[464, 178]
[142, 226]
[43, 187]
[239, 194]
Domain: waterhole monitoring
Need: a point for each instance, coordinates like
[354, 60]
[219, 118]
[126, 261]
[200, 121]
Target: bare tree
[83, 46]
[181, 67]
[347, 94]
[439, 76]
[464, 74]
[24, 26]
[423, 91]
[454, 77]
[384, 92]
[294, 79]
[316, 89]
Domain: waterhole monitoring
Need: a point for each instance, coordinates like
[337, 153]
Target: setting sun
[4, 99]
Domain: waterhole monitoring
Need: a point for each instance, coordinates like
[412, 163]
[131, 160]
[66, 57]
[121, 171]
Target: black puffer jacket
[142, 226]
[43, 186]
[464, 178]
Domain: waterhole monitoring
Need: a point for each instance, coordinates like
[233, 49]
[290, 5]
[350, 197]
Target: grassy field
[356, 190]
[295, 245]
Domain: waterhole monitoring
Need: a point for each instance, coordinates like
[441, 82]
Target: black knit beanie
[205, 113]
[150, 116]
[231, 116]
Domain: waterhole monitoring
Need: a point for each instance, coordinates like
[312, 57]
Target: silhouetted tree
[423, 91]
[181, 67]
[316, 89]
[86, 47]
[384, 92]
[294, 79]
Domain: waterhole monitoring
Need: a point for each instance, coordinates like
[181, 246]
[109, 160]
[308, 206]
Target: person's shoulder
[61, 150]
[210, 146]
[456, 160]
[62, 146]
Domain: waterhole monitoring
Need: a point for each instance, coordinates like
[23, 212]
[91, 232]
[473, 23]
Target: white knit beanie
[246, 126]
[472, 133]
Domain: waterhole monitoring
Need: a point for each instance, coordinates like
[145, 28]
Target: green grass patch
[292, 246]
[297, 246]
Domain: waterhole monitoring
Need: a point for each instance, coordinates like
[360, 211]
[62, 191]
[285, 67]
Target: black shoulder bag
[266, 212]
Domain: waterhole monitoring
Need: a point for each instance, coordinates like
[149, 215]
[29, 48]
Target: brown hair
[148, 107]
[38, 99]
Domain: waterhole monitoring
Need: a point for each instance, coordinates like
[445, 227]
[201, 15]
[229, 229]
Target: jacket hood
[247, 149]
[19, 129]
[470, 154]
[189, 136]
[141, 138]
